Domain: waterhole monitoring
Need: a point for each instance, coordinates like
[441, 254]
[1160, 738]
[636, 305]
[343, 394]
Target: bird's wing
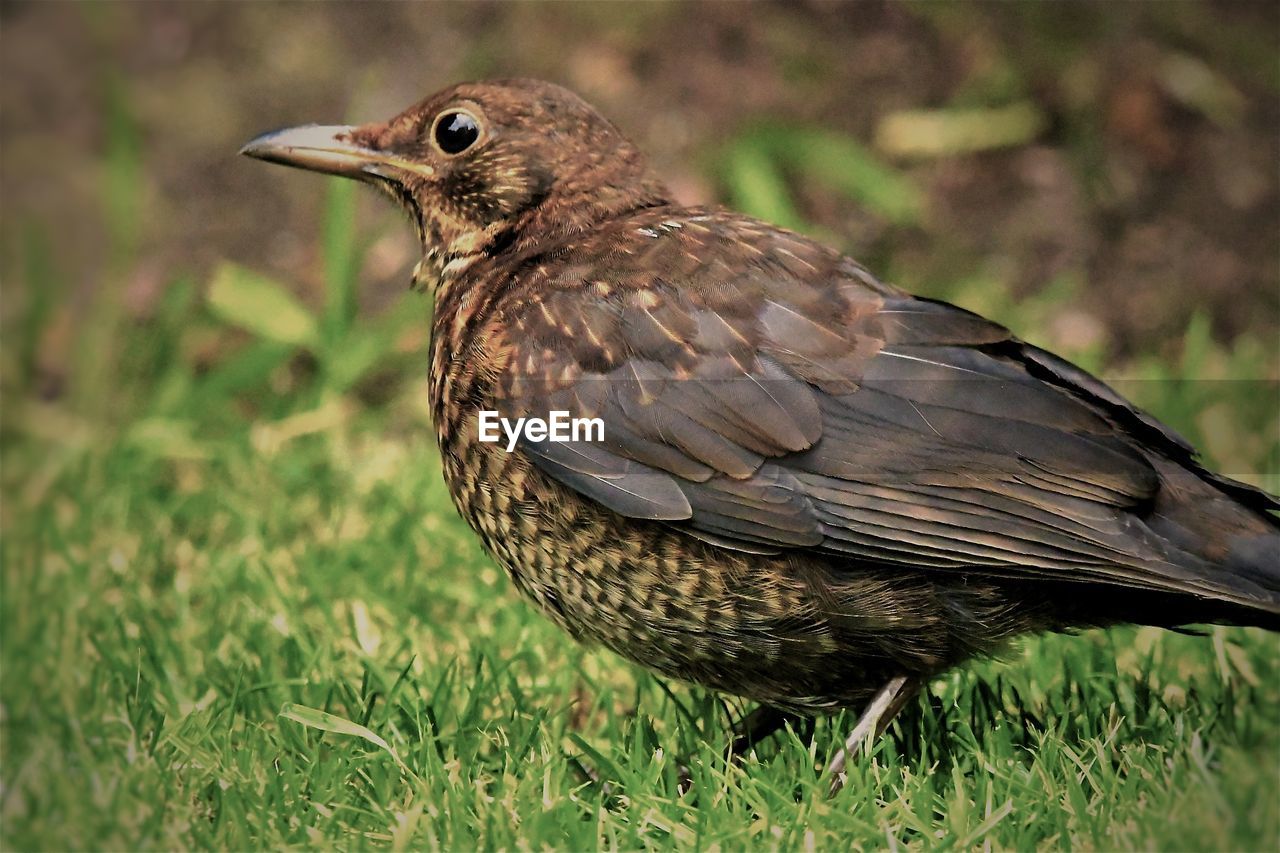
[763, 394]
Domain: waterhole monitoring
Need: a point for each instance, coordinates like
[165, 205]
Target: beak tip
[261, 145]
[320, 148]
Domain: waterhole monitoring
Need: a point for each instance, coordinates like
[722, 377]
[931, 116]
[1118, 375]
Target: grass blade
[314, 718]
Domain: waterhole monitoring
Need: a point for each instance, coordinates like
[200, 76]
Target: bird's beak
[318, 147]
[329, 149]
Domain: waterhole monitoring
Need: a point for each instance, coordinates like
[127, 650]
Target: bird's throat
[449, 250]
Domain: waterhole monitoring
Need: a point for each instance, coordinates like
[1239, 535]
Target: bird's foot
[876, 717]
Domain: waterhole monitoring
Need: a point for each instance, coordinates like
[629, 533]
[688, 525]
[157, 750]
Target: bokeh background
[220, 498]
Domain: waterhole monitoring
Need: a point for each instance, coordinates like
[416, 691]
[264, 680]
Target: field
[239, 611]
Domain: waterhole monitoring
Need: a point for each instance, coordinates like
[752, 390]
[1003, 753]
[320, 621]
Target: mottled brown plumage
[811, 482]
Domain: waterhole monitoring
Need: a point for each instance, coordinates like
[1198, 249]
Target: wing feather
[799, 404]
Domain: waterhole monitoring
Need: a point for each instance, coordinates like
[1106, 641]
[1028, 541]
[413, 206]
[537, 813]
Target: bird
[814, 490]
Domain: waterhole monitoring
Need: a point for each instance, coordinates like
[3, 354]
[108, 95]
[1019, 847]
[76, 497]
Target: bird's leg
[760, 724]
[876, 717]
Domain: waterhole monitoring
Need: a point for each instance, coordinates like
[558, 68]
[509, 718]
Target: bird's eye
[455, 131]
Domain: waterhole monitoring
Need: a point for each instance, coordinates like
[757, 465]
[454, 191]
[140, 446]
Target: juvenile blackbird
[814, 490]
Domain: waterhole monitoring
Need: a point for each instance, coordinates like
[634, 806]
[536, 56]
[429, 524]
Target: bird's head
[481, 167]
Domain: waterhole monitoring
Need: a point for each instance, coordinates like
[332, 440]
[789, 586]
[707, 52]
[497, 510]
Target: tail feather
[1229, 531]
[1257, 559]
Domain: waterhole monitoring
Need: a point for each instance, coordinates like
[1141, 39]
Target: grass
[159, 616]
[239, 611]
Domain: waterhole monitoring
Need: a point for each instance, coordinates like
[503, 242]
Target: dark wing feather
[1053, 369]
[628, 488]
[793, 402]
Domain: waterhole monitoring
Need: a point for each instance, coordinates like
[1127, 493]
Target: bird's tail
[1230, 532]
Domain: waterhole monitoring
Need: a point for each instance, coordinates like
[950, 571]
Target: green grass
[239, 611]
[159, 615]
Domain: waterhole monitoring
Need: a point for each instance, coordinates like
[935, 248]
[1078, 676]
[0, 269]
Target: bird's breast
[641, 589]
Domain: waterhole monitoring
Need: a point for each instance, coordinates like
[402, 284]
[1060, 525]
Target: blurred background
[1119, 156]
[216, 461]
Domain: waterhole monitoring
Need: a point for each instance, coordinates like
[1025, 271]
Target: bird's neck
[451, 252]
[450, 249]
[578, 207]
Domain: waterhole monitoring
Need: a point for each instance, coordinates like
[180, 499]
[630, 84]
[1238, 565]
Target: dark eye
[455, 132]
